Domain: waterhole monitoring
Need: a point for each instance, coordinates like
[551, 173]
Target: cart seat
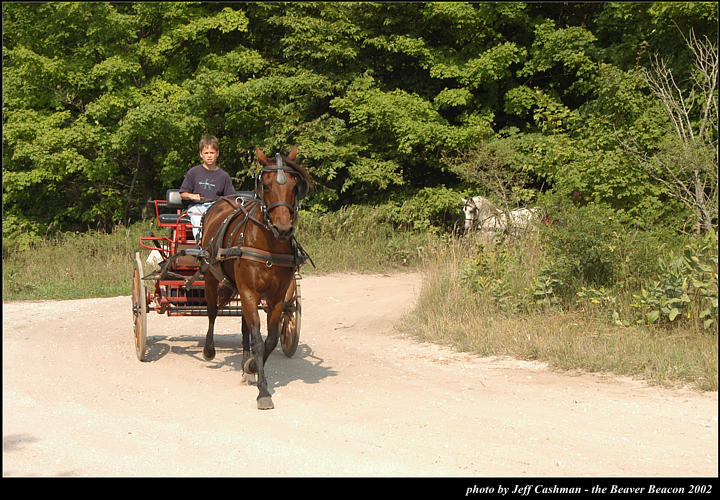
[174, 201]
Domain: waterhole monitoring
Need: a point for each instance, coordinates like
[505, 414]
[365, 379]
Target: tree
[686, 161]
[106, 100]
[490, 165]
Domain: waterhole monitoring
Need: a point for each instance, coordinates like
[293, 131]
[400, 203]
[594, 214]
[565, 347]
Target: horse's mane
[485, 206]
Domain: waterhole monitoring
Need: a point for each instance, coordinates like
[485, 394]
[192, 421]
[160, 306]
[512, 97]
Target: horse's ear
[262, 157]
[293, 153]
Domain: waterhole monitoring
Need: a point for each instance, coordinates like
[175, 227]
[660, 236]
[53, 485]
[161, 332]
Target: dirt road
[357, 399]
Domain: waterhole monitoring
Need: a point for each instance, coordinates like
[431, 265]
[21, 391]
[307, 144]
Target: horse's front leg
[211, 285]
[274, 320]
[256, 363]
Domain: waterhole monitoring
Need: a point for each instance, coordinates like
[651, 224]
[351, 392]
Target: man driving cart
[204, 183]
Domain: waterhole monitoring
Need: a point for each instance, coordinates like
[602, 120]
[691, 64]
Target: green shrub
[19, 234]
[580, 248]
[487, 274]
[433, 209]
[545, 288]
[589, 246]
[502, 276]
[687, 286]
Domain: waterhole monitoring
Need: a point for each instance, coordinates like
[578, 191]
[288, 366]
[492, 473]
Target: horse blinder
[301, 189]
[280, 179]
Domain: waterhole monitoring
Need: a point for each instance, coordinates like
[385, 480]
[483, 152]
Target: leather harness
[211, 258]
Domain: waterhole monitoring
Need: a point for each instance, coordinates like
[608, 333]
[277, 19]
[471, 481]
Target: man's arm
[186, 188]
[190, 196]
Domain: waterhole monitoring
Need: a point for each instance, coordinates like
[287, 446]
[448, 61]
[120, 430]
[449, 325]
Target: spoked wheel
[139, 309]
[290, 329]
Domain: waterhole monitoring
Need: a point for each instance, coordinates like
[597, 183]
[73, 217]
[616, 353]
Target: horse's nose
[284, 232]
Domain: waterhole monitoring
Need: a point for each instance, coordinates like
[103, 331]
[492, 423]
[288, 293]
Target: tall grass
[98, 264]
[504, 318]
[73, 265]
[355, 239]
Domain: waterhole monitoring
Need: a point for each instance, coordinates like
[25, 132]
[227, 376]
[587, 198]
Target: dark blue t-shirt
[207, 183]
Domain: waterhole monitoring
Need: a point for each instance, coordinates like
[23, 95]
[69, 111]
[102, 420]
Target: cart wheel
[139, 309]
[290, 330]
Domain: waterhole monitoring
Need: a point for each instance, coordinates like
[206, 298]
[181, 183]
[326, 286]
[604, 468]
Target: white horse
[482, 215]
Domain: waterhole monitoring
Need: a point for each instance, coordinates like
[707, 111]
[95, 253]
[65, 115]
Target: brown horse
[250, 252]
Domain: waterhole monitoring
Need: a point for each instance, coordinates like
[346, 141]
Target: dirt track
[357, 399]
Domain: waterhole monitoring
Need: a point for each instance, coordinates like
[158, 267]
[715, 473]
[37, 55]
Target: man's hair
[209, 140]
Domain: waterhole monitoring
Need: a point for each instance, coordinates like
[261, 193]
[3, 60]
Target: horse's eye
[265, 187]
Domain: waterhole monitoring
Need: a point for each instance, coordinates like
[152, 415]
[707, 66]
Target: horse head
[281, 185]
[479, 213]
[470, 211]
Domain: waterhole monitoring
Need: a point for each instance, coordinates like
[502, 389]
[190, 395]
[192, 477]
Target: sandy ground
[357, 399]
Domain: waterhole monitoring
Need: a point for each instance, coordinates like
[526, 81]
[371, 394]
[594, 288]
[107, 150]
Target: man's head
[209, 140]
[209, 150]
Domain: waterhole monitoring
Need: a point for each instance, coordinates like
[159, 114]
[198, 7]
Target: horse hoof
[249, 378]
[265, 403]
[249, 366]
[209, 354]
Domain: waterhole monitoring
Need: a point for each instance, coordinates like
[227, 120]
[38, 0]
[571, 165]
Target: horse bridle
[470, 203]
[281, 168]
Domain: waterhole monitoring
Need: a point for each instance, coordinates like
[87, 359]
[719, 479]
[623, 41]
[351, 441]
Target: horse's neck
[486, 210]
[258, 236]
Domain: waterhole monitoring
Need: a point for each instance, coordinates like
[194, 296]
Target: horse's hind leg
[245, 341]
[211, 285]
[247, 353]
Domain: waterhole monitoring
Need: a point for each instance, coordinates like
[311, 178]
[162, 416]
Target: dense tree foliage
[104, 103]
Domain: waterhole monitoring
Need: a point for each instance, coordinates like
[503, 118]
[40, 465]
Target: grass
[73, 266]
[497, 318]
[568, 338]
[98, 264]
[353, 240]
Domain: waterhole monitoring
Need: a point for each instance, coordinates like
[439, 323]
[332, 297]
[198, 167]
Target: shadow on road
[281, 370]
